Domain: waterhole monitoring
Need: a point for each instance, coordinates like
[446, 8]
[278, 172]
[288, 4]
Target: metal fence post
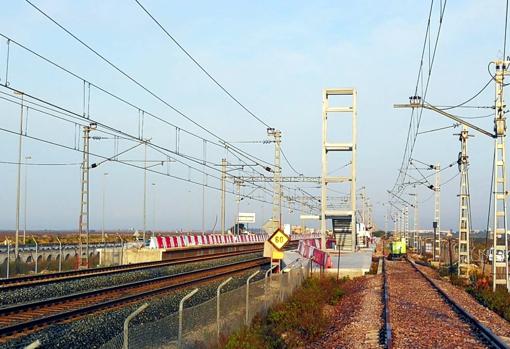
[8, 257]
[36, 254]
[181, 308]
[268, 275]
[60, 255]
[125, 344]
[218, 291]
[248, 296]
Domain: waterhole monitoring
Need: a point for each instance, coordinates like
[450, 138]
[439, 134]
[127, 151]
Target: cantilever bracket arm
[448, 115]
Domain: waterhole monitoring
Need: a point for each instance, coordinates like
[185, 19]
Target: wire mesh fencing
[203, 325]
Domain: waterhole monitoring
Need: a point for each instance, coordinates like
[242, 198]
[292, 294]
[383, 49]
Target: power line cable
[288, 162]
[200, 66]
[469, 99]
[136, 82]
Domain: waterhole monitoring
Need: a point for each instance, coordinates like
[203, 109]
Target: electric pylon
[464, 207]
[500, 238]
[437, 213]
[84, 205]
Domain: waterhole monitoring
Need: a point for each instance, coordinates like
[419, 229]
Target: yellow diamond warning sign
[278, 239]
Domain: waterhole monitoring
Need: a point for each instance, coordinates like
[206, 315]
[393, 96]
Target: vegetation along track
[178, 257]
[418, 314]
[14, 320]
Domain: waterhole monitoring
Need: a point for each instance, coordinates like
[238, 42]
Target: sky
[274, 57]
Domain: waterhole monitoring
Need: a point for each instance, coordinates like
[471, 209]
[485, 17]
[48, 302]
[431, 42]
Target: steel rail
[490, 336]
[51, 318]
[388, 336]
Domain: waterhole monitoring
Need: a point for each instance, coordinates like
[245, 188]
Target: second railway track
[418, 314]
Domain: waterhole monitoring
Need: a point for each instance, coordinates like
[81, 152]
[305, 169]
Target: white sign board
[246, 218]
[428, 247]
[309, 217]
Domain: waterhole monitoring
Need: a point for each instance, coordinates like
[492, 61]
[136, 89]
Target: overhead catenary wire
[288, 162]
[200, 66]
[124, 135]
[414, 126]
[17, 133]
[129, 77]
[469, 99]
[143, 111]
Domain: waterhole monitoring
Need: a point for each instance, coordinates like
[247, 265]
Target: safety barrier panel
[180, 241]
[313, 253]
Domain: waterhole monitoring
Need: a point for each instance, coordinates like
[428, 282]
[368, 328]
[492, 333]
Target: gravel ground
[490, 319]
[94, 330]
[39, 292]
[419, 316]
[357, 319]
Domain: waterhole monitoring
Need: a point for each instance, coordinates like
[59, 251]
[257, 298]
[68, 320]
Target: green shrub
[294, 323]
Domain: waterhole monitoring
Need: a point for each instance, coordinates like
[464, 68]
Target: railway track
[182, 258]
[178, 257]
[419, 314]
[18, 320]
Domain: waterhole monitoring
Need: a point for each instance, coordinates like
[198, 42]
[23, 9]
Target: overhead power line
[288, 162]
[415, 120]
[201, 67]
[469, 99]
[136, 82]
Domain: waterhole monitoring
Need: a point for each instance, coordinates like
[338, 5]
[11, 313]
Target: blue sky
[276, 57]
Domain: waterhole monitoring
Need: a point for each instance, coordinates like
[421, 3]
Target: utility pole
[145, 191]
[223, 183]
[437, 214]
[84, 206]
[406, 224]
[464, 206]
[237, 183]
[500, 240]
[18, 183]
[103, 204]
[415, 221]
[25, 200]
[386, 224]
[363, 204]
[277, 174]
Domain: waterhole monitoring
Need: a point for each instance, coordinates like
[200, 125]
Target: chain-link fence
[202, 325]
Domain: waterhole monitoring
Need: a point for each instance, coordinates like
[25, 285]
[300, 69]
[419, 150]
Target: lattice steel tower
[464, 206]
[437, 213]
[84, 205]
[500, 237]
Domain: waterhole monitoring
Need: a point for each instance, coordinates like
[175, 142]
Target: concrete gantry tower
[277, 177]
[343, 218]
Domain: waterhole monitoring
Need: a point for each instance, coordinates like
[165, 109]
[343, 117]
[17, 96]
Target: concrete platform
[352, 264]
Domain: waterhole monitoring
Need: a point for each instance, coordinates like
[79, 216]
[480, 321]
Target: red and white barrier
[318, 256]
[181, 241]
